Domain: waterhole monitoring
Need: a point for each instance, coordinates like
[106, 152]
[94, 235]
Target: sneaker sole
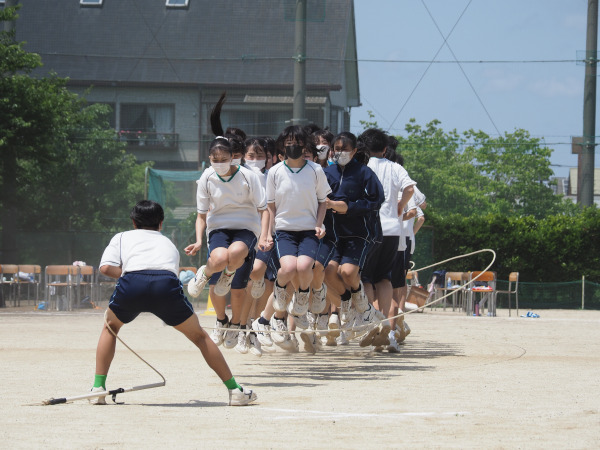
[308, 343]
[368, 338]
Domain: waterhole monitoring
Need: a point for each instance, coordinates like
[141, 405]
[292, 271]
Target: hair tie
[220, 137]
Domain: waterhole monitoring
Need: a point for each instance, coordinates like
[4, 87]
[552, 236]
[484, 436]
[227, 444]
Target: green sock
[100, 381]
[232, 384]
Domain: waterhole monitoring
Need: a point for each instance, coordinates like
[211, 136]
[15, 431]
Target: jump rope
[113, 392]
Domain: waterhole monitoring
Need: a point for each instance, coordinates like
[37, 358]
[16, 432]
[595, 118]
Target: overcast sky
[544, 98]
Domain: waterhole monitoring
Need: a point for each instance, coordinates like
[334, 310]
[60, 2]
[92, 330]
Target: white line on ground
[304, 414]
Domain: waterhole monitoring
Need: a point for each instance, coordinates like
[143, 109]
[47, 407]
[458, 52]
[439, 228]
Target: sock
[100, 381]
[224, 321]
[278, 285]
[346, 296]
[263, 321]
[233, 325]
[304, 290]
[232, 384]
[228, 272]
[354, 291]
[243, 327]
[337, 313]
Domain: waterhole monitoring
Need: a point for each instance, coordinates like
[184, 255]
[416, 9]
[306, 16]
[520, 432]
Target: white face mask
[343, 158]
[221, 168]
[256, 163]
[323, 151]
[236, 162]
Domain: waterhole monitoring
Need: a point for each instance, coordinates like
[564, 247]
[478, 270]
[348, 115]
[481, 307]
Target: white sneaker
[382, 337]
[290, 343]
[301, 321]
[367, 339]
[346, 313]
[334, 325]
[263, 333]
[241, 398]
[319, 300]
[330, 341]
[280, 298]
[254, 344]
[341, 339]
[197, 283]
[97, 400]
[310, 344]
[231, 336]
[242, 343]
[217, 335]
[223, 285]
[393, 346]
[279, 330]
[299, 304]
[322, 324]
[258, 288]
[359, 300]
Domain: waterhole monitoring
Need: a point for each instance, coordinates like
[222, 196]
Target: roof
[227, 42]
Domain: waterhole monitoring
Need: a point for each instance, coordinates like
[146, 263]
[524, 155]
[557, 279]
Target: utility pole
[299, 111]
[589, 106]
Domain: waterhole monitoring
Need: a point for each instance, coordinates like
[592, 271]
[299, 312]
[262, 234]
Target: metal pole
[299, 111]
[589, 106]
[583, 292]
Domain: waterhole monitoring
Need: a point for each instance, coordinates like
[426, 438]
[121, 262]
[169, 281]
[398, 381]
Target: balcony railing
[150, 139]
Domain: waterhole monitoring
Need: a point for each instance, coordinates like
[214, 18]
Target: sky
[544, 98]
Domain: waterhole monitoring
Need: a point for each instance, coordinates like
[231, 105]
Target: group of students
[322, 228]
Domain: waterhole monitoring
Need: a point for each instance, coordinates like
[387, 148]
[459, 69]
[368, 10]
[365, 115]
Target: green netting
[569, 295]
[158, 182]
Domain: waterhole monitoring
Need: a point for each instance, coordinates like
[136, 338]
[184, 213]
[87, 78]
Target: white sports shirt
[296, 194]
[231, 204]
[394, 179]
[141, 250]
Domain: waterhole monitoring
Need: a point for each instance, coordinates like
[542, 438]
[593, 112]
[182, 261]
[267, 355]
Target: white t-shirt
[230, 203]
[394, 179]
[141, 250]
[296, 194]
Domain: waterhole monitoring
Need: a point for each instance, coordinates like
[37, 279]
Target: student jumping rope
[146, 264]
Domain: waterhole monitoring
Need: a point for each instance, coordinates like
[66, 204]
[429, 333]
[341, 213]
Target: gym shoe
[289, 344]
[330, 341]
[223, 285]
[197, 283]
[254, 345]
[393, 346]
[231, 336]
[258, 288]
[98, 400]
[341, 339]
[381, 339]
[367, 339]
[322, 324]
[262, 333]
[279, 330]
[280, 298]
[216, 334]
[334, 325]
[319, 300]
[242, 343]
[310, 345]
[299, 304]
[241, 398]
[346, 314]
[359, 300]
[301, 321]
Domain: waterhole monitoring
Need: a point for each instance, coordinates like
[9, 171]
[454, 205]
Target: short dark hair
[294, 132]
[374, 139]
[147, 214]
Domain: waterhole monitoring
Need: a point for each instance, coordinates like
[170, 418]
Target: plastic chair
[57, 277]
[487, 292]
[513, 277]
[35, 281]
[9, 274]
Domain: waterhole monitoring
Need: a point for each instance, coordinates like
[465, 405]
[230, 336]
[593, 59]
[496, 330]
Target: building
[162, 64]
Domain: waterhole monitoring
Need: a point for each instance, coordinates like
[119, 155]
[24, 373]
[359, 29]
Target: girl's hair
[147, 214]
[325, 134]
[374, 140]
[311, 128]
[236, 143]
[236, 131]
[255, 142]
[390, 154]
[295, 132]
[269, 145]
[347, 138]
[220, 143]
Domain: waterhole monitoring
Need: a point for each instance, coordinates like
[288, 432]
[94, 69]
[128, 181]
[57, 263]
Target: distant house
[162, 64]
[573, 185]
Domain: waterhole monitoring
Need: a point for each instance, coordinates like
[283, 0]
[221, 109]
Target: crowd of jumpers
[310, 233]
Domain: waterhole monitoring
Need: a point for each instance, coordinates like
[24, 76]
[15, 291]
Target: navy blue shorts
[242, 275]
[326, 251]
[297, 243]
[352, 250]
[264, 256]
[272, 267]
[224, 238]
[155, 291]
[380, 261]
[399, 271]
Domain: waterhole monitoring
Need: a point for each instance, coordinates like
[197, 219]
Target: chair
[9, 275]
[85, 280]
[513, 277]
[34, 280]
[487, 292]
[452, 282]
[57, 277]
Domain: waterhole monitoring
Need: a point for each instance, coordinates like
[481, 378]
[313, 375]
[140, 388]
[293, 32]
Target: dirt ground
[462, 382]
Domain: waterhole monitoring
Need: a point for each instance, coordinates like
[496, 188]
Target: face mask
[293, 151]
[323, 152]
[256, 163]
[343, 158]
[236, 162]
[221, 168]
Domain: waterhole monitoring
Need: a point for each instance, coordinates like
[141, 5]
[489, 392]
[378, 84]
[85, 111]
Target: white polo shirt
[394, 179]
[141, 250]
[296, 194]
[230, 203]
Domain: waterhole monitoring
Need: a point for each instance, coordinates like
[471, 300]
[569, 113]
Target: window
[90, 2]
[148, 124]
[177, 3]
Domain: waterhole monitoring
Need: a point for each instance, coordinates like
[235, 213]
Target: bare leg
[384, 297]
[105, 352]
[218, 302]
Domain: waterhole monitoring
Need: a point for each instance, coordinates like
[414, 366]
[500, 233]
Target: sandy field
[459, 382]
